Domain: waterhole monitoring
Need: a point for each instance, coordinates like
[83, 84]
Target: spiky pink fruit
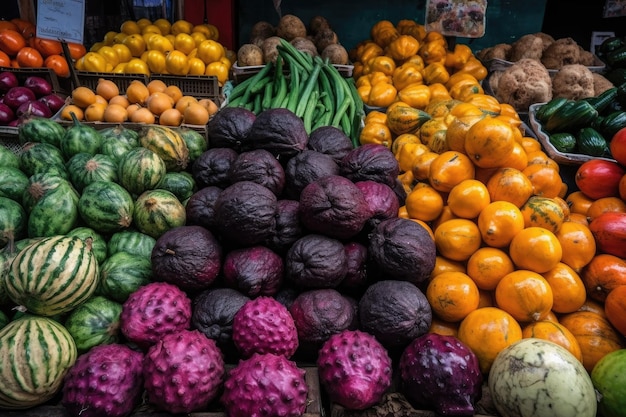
[265, 385]
[183, 372]
[154, 310]
[354, 369]
[263, 325]
[105, 381]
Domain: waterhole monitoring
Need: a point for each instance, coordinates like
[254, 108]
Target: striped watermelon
[53, 275]
[140, 169]
[131, 241]
[35, 354]
[157, 211]
[106, 207]
[123, 273]
[94, 322]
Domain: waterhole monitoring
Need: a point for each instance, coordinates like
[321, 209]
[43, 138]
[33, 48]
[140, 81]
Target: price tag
[61, 20]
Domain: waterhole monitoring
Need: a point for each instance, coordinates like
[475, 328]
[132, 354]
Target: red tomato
[618, 146]
[622, 188]
[598, 178]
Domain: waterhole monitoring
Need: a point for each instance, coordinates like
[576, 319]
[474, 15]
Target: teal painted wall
[506, 20]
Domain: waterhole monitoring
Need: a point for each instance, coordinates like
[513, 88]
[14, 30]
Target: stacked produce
[161, 47]
[151, 102]
[445, 246]
[30, 96]
[21, 48]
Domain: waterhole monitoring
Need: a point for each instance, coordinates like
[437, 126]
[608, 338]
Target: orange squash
[487, 266]
[556, 333]
[489, 142]
[578, 243]
[457, 239]
[543, 212]
[424, 203]
[568, 289]
[509, 184]
[439, 326]
[595, 335]
[446, 265]
[578, 202]
[449, 169]
[602, 274]
[499, 222]
[536, 249]
[486, 331]
[606, 204]
[468, 198]
[546, 180]
[452, 295]
[524, 294]
[615, 308]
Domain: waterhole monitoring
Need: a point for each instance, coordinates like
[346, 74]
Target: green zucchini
[609, 45]
[571, 116]
[616, 58]
[591, 142]
[546, 111]
[610, 124]
[603, 100]
[563, 141]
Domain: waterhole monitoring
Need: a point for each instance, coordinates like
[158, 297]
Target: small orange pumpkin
[578, 243]
[568, 289]
[489, 142]
[602, 274]
[510, 184]
[536, 249]
[499, 222]
[556, 333]
[449, 169]
[615, 308]
[457, 239]
[524, 294]
[452, 295]
[543, 212]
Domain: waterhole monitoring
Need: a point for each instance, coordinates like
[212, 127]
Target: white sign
[61, 20]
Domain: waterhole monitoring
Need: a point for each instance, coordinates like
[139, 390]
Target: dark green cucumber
[591, 142]
[546, 111]
[609, 125]
[563, 141]
[571, 116]
[603, 100]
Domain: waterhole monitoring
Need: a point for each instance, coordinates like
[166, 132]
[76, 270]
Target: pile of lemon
[160, 47]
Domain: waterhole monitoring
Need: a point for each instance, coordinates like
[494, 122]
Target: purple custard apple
[105, 381]
[265, 385]
[154, 310]
[354, 369]
[183, 372]
[264, 325]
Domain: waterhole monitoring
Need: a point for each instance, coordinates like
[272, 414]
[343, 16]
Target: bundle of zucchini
[585, 126]
[308, 86]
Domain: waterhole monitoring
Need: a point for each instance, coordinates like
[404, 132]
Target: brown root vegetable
[563, 51]
[304, 45]
[573, 81]
[325, 37]
[269, 48]
[600, 84]
[546, 38]
[249, 54]
[525, 82]
[586, 58]
[528, 46]
[317, 23]
[499, 51]
[290, 27]
[336, 54]
[260, 31]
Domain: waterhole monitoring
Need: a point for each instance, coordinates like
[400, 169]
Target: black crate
[90, 79]
[199, 86]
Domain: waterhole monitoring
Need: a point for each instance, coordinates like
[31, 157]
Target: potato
[270, 53]
[336, 54]
[249, 54]
[290, 27]
[317, 23]
[324, 38]
[305, 45]
[260, 31]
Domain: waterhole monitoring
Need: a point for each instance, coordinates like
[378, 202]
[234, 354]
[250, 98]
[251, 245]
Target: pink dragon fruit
[183, 372]
[354, 369]
[265, 385]
[105, 381]
[264, 325]
[154, 310]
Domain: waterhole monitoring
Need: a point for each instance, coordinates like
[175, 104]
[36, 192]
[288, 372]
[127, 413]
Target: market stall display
[310, 225]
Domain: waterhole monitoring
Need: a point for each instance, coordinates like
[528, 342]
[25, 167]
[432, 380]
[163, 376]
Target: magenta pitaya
[265, 385]
[154, 310]
[440, 372]
[183, 372]
[354, 369]
[263, 325]
[105, 381]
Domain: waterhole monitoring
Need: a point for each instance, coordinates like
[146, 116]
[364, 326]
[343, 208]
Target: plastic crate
[90, 79]
[46, 73]
[9, 138]
[199, 86]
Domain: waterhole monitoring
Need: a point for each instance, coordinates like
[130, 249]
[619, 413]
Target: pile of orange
[515, 254]
[154, 102]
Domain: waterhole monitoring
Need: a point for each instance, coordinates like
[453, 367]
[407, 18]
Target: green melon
[53, 275]
[84, 169]
[79, 138]
[4, 319]
[39, 157]
[196, 142]
[56, 213]
[98, 242]
[157, 211]
[181, 184]
[40, 129]
[95, 322]
[13, 220]
[35, 354]
[122, 274]
[13, 182]
[121, 135]
[8, 158]
[131, 241]
[140, 169]
[106, 207]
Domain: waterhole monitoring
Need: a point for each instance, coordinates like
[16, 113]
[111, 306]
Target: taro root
[187, 256]
[316, 261]
[288, 226]
[370, 162]
[213, 167]
[402, 249]
[334, 206]
[382, 200]
[200, 207]
[245, 213]
[255, 271]
[306, 167]
[330, 140]
[259, 166]
[279, 131]
[395, 312]
[229, 127]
